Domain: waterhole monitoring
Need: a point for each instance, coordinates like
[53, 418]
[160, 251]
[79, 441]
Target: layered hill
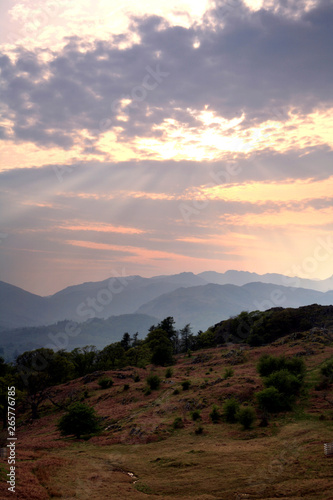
[134, 303]
[142, 453]
[203, 306]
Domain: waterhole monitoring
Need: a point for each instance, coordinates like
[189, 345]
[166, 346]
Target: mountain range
[108, 308]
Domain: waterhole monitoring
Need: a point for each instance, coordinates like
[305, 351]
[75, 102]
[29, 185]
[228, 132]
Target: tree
[126, 341]
[79, 420]
[111, 357]
[186, 336]
[167, 325]
[160, 346]
[84, 359]
[33, 369]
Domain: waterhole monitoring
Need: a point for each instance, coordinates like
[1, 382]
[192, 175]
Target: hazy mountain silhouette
[98, 332]
[203, 306]
[242, 277]
[189, 298]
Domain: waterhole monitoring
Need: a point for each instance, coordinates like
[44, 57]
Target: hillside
[202, 306]
[139, 455]
[98, 332]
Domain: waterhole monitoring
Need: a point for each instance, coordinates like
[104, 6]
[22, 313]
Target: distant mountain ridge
[203, 306]
[124, 295]
[243, 277]
[107, 309]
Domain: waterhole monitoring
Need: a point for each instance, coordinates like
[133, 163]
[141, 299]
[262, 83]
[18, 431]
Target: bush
[270, 400]
[195, 415]
[105, 383]
[199, 430]
[215, 415]
[136, 378]
[147, 392]
[230, 409]
[269, 364]
[154, 382]
[285, 382]
[228, 372]
[168, 373]
[327, 371]
[246, 416]
[186, 385]
[126, 387]
[178, 423]
[295, 366]
[80, 419]
[175, 392]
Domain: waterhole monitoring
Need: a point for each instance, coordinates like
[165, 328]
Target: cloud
[258, 64]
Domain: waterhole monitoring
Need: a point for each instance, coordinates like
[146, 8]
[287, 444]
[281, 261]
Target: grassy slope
[283, 460]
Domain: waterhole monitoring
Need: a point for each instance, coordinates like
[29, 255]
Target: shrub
[215, 415]
[327, 371]
[228, 372]
[195, 415]
[186, 385]
[105, 383]
[285, 382]
[246, 416]
[270, 400]
[154, 382]
[136, 378]
[295, 366]
[126, 387]
[147, 392]
[269, 364]
[175, 392]
[80, 419]
[178, 423]
[230, 408]
[199, 430]
[168, 373]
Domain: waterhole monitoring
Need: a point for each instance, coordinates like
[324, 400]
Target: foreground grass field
[139, 455]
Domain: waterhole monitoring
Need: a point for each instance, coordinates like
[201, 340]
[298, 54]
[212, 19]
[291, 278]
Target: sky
[159, 137]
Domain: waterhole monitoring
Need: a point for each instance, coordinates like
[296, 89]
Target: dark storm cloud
[258, 63]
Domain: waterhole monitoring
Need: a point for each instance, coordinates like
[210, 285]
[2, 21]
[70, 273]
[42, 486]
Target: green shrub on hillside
[230, 409]
[228, 372]
[105, 383]
[186, 385]
[327, 371]
[269, 364]
[195, 415]
[285, 382]
[178, 423]
[270, 400]
[246, 416]
[215, 415]
[79, 420]
[154, 382]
